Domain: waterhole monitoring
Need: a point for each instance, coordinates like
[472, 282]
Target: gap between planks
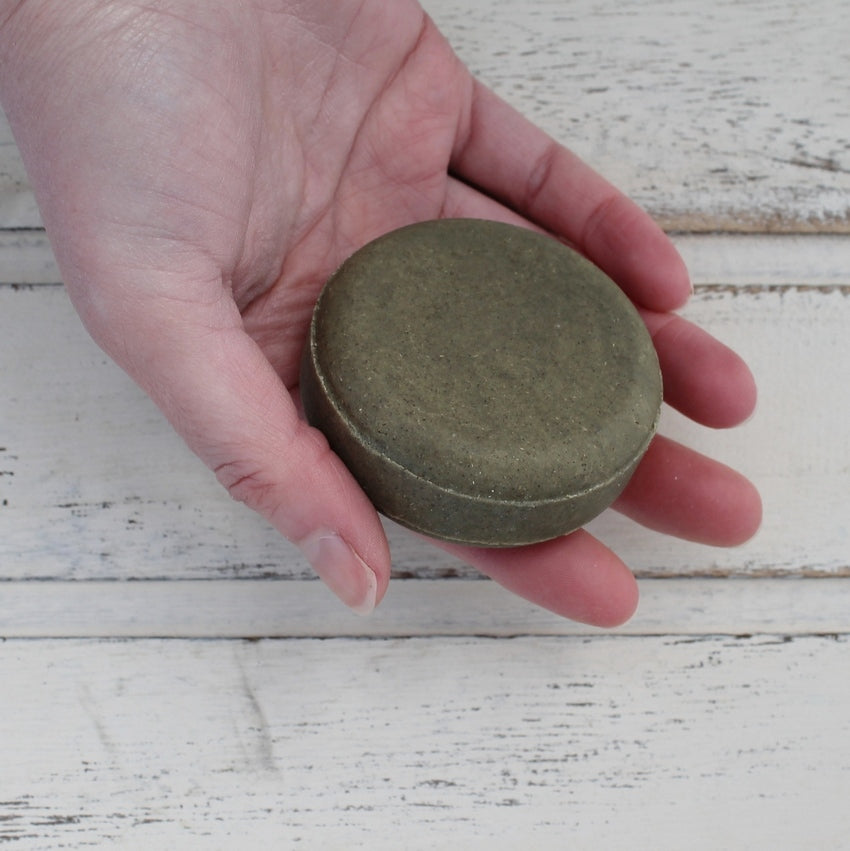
[816, 260]
[412, 608]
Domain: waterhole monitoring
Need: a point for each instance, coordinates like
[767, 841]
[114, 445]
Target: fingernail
[342, 570]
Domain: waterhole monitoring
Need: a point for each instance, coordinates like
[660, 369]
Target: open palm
[202, 167]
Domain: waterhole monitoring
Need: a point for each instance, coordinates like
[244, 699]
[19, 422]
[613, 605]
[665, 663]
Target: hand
[202, 167]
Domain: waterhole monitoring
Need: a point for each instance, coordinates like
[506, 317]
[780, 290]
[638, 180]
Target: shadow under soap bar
[484, 383]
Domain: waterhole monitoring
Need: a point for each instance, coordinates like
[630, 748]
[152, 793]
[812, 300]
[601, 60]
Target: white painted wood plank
[645, 743]
[26, 258]
[93, 483]
[809, 260]
[747, 260]
[569, 736]
[17, 204]
[796, 447]
[697, 113]
[733, 117]
[274, 609]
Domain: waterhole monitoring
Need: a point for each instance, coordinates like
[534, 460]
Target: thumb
[219, 391]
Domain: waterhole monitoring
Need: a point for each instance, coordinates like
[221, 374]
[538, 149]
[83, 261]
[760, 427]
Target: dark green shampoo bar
[484, 383]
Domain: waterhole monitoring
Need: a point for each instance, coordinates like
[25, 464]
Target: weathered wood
[649, 743]
[94, 484]
[735, 117]
[748, 260]
[810, 260]
[17, 204]
[231, 608]
[26, 258]
[712, 720]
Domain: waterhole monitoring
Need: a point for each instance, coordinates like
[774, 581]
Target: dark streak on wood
[5, 285]
[710, 290]
[743, 222]
[761, 572]
[826, 164]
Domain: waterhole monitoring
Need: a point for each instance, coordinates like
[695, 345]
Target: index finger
[506, 156]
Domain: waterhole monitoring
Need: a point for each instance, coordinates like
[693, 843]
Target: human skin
[202, 166]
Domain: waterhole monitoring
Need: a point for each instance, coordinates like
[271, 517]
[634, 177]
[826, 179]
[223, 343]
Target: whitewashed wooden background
[222, 699]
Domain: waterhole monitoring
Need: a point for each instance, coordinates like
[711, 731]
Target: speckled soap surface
[484, 383]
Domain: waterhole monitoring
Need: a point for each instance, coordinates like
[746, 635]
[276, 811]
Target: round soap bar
[484, 383]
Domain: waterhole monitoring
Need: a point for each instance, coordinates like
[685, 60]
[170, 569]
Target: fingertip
[745, 522]
[636, 253]
[667, 282]
[703, 378]
[680, 492]
[374, 552]
[594, 586]
[678, 288]
[741, 405]
[343, 570]
[722, 393]
[574, 576]
[621, 606]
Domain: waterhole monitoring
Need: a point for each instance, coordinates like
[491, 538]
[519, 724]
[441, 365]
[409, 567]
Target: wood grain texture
[17, 204]
[94, 484]
[648, 743]
[729, 117]
[733, 117]
[229, 608]
[745, 260]
[26, 258]
[459, 716]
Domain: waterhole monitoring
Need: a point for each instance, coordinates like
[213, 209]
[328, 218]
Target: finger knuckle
[249, 483]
